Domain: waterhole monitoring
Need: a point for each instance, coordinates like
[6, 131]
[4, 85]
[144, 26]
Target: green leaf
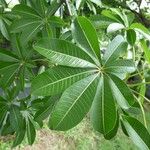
[7, 56]
[24, 24]
[56, 21]
[113, 16]
[137, 132]
[53, 7]
[131, 37]
[16, 119]
[63, 53]
[74, 104]
[30, 32]
[4, 29]
[48, 31]
[56, 80]
[141, 29]
[3, 114]
[25, 11]
[31, 133]
[146, 50]
[66, 36]
[100, 21]
[117, 47]
[85, 35]
[19, 137]
[113, 132]
[8, 73]
[121, 92]
[6, 129]
[103, 112]
[40, 7]
[44, 111]
[120, 67]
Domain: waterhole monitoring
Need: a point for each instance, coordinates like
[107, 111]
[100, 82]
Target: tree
[66, 59]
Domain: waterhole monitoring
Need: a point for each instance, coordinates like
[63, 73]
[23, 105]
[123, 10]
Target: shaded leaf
[16, 119]
[19, 137]
[4, 29]
[25, 11]
[131, 37]
[142, 29]
[146, 50]
[31, 133]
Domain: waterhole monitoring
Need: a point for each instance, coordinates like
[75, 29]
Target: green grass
[82, 137]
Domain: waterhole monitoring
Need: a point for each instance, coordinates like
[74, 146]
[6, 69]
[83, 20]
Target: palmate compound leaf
[14, 63]
[137, 132]
[79, 93]
[32, 22]
[74, 104]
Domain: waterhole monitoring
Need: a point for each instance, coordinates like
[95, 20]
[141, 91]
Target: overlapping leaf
[63, 53]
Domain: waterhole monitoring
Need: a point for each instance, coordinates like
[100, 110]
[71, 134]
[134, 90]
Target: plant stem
[143, 112]
[134, 53]
[137, 84]
[141, 95]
